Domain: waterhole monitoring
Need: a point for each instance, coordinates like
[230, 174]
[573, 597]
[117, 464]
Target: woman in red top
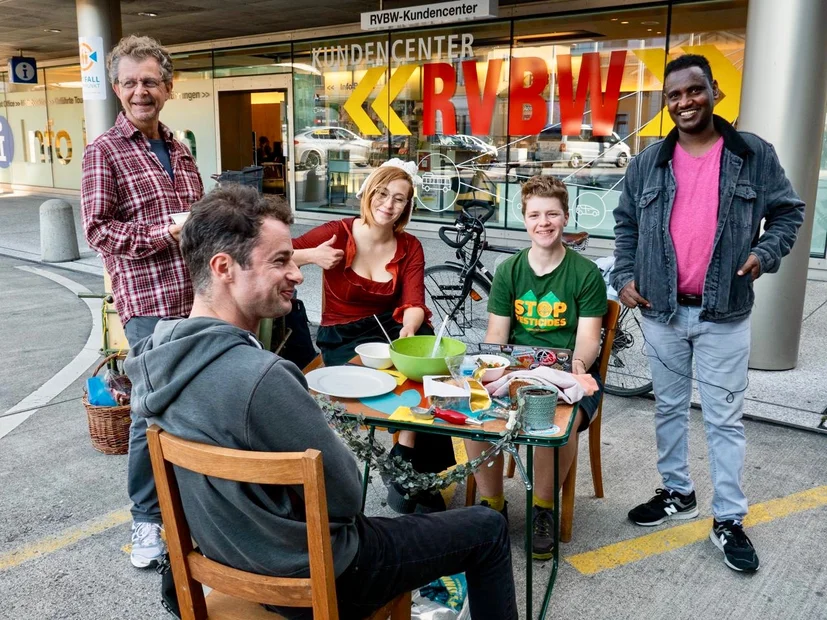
[382, 272]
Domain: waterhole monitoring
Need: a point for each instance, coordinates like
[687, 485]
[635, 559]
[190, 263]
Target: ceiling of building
[27, 25]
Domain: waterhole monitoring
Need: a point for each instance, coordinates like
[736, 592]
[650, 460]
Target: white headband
[409, 167]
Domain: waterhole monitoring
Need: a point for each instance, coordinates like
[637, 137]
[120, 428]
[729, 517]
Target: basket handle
[106, 360]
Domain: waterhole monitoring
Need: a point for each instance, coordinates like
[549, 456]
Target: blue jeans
[721, 353]
[140, 483]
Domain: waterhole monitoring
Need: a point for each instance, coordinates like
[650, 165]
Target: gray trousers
[140, 483]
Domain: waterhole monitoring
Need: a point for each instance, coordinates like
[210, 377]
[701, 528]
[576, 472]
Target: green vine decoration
[397, 469]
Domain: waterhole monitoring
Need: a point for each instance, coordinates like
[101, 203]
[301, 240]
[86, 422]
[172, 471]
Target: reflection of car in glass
[466, 147]
[399, 147]
[552, 147]
[436, 181]
[312, 145]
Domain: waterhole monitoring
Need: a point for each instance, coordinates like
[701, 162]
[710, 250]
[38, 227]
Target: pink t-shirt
[695, 214]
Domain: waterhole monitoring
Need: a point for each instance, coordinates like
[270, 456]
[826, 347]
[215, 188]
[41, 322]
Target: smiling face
[265, 287]
[141, 90]
[690, 99]
[389, 202]
[545, 219]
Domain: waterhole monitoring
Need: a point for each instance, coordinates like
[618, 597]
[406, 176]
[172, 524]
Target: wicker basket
[108, 426]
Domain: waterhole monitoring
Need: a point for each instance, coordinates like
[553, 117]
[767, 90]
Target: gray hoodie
[206, 380]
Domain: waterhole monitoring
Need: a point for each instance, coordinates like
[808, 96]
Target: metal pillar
[100, 18]
[784, 100]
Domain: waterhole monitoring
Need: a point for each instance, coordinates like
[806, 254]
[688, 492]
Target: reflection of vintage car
[399, 147]
[436, 181]
[313, 143]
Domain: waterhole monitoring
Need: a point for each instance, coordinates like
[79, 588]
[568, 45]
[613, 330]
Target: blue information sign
[22, 70]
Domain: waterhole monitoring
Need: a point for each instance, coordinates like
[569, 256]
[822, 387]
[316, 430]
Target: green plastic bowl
[412, 356]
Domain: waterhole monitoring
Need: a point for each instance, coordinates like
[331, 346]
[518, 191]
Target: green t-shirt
[544, 309]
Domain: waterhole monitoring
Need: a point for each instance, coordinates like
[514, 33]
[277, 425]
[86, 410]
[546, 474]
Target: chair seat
[222, 606]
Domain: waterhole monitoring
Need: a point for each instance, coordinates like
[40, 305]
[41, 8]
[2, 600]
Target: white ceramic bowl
[492, 374]
[179, 218]
[375, 354]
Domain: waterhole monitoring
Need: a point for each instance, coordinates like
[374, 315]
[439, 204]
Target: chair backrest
[190, 568]
[609, 328]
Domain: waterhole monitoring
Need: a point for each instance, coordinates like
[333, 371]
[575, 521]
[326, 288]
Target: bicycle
[459, 290]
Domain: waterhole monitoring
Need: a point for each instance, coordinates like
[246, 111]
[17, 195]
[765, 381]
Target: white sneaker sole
[142, 562]
[678, 516]
[720, 546]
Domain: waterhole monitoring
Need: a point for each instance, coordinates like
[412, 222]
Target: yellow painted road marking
[636, 549]
[68, 537]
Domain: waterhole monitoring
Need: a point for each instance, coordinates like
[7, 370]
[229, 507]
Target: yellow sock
[543, 503]
[497, 503]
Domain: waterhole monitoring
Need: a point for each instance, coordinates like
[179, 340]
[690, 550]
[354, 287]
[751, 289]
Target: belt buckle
[690, 300]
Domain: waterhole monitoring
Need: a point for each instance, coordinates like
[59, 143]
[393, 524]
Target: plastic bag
[99, 394]
[119, 386]
[443, 599]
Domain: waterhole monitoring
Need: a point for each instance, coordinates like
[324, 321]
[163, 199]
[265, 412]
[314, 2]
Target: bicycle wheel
[443, 289]
[628, 373]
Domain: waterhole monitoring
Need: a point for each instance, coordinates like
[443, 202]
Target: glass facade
[479, 107]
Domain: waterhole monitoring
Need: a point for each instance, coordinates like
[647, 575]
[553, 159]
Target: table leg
[366, 473]
[529, 529]
[556, 553]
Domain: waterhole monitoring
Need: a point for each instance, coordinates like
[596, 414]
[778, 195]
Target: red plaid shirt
[126, 200]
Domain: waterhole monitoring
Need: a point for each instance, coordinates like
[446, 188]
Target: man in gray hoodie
[207, 379]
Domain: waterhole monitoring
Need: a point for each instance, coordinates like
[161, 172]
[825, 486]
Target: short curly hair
[545, 187]
[139, 48]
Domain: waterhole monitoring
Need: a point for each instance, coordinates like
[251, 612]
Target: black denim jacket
[753, 188]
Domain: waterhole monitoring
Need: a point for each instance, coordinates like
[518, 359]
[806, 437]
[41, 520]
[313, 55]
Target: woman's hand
[407, 331]
[578, 367]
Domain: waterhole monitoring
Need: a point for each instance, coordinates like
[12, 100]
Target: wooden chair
[567, 506]
[237, 594]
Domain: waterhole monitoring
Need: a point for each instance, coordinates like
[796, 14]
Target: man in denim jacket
[688, 248]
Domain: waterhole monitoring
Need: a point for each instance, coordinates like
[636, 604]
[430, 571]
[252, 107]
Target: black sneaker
[542, 545]
[503, 512]
[739, 554]
[664, 506]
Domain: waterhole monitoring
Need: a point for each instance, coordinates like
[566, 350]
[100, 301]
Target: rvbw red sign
[528, 78]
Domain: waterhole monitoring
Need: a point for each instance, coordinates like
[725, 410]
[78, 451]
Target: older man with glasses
[134, 177]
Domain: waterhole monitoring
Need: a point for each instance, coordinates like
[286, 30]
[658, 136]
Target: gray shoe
[147, 545]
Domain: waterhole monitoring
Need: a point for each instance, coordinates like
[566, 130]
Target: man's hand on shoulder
[175, 231]
[752, 267]
[631, 298]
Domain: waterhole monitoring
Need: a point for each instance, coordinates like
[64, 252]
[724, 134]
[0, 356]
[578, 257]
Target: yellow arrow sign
[382, 104]
[353, 105]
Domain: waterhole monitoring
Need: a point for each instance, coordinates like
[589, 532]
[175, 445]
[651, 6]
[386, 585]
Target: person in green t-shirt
[550, 296]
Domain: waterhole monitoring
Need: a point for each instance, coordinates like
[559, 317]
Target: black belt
[690, 300]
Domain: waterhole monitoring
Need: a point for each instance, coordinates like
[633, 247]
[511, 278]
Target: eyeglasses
[148, 84]
[382, 194]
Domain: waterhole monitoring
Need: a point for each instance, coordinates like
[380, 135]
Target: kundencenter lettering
[374, 53]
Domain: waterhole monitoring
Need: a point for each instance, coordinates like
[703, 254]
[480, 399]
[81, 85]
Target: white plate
[350, 382]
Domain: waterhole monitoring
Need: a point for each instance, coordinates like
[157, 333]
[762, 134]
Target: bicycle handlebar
[443, 234]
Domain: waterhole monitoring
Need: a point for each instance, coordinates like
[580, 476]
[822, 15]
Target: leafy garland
[398, 469]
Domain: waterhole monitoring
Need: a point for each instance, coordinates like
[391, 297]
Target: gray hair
[139, 48]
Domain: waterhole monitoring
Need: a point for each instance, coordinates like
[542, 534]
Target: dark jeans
[403, 554]
[140, 483]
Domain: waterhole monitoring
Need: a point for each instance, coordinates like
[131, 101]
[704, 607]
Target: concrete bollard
[58, 238]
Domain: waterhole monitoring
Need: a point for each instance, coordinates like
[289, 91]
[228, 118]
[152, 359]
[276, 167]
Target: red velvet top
[348, 297]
